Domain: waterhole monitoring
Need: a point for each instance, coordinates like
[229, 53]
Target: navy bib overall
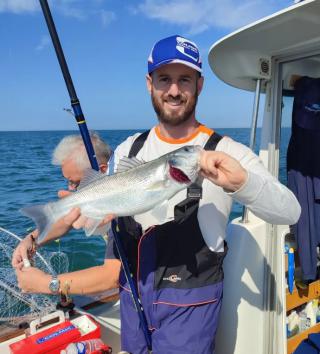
[179, 281]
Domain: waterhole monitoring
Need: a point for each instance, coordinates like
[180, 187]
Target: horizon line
[121, 129]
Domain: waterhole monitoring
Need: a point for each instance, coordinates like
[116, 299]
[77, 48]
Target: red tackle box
[55, 338]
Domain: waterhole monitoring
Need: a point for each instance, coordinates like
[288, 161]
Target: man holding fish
[180, 198]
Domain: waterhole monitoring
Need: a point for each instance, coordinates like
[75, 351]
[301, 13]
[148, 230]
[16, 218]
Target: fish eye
[186, 149]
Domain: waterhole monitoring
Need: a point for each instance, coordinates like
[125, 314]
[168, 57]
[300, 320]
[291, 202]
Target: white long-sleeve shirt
[262, 193]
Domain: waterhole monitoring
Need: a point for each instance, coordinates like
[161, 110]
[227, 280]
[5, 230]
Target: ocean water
[27, 177]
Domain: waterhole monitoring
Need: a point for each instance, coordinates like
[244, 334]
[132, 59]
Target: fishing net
[15, 306]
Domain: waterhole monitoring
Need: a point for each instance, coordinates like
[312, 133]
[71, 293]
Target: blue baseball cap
[174, 49]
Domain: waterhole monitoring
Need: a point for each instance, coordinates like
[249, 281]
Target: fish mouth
[178, 175]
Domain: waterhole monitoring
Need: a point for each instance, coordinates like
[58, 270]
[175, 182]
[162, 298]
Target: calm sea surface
[27, 177]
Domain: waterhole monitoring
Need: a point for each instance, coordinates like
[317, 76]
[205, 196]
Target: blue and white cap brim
[177, 61]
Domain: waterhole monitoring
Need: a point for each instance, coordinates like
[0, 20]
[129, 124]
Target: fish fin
[93, 212]
[89, 176]
[127, 163]
[160, 212]
[42, 216]
[91, 226]
[102, 230]
[94, 218]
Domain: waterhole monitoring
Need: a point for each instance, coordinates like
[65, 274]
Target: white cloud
[44, 42]
[78, 9]
[199, 15]
[18, 6]
[107, 17]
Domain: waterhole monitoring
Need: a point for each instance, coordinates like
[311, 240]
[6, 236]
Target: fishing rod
[133, 288]
[75, 103]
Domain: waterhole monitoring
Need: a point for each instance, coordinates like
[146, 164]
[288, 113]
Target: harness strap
[194, 191]
[138, 144]
[213, 141]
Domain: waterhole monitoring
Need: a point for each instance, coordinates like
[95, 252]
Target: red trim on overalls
[138, 256]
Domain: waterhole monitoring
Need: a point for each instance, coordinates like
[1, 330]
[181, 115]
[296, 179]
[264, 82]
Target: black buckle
[194, 192]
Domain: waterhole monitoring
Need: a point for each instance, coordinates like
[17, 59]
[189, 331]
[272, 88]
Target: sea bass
[137, 187]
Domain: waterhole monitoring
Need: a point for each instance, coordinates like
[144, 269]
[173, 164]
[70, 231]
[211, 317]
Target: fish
[136, 187]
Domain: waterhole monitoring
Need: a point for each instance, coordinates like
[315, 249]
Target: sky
[106, 44]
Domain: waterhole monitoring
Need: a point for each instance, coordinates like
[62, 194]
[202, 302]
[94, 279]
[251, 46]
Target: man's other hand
[222, 170]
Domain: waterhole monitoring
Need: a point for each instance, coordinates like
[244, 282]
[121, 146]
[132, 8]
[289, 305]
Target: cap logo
[187, 48]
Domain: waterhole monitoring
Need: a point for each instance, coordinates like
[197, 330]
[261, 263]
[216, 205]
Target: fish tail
[42, 216]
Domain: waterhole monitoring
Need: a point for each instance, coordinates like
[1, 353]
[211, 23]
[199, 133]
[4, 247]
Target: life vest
[179, 255]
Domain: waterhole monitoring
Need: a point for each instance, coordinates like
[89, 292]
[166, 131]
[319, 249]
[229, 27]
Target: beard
[175, 118]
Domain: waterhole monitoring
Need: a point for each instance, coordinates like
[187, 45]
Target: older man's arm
[87, 281]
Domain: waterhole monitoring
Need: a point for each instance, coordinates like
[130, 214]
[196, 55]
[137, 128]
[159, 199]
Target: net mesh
[16, 306]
